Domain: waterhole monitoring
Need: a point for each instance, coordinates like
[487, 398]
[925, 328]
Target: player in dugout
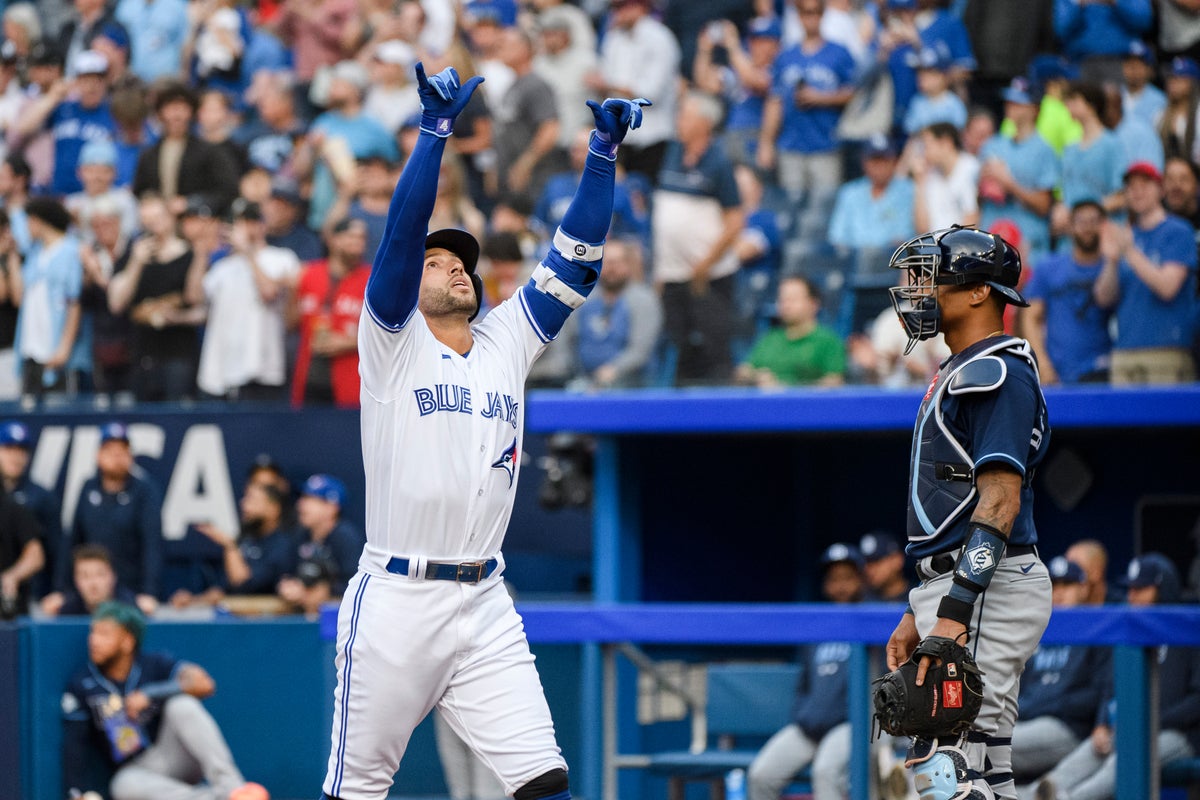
[442, 428]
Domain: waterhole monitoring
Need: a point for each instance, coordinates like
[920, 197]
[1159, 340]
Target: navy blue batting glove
[442, 99]
[615, 118]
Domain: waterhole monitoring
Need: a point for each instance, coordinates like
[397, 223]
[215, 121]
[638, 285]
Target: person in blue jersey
[1149, 278]
[874, 211]
[814, 80]
[76, 113]
[134, 726]
[743, 83]
[1089, 772]
[1068, 330]
[1061, 688]
[1097, 35]
[1139, 96]
[934, 100]
[1092, 168]
[981, 432]
[819, 733]
[442, 439]
[1018, 174]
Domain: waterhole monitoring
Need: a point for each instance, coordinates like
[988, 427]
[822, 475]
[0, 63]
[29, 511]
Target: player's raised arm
[396, 274]
[564, 279]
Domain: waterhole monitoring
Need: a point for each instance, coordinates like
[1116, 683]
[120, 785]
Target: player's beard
[436, 302]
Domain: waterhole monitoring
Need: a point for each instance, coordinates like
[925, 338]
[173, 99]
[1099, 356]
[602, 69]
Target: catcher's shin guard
[941, 773]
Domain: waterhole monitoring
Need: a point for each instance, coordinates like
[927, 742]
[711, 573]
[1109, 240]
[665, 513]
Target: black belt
[466, 572]
[942, 563]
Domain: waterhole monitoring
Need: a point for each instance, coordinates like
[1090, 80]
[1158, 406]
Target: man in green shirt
[799, 352]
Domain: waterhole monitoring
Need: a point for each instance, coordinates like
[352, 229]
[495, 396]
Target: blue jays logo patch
[508, 461]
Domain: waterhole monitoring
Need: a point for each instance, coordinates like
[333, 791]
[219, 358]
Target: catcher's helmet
[951, 256]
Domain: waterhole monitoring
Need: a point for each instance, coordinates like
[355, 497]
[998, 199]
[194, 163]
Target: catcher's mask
[954, 256]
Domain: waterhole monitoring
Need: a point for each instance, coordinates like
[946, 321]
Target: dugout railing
[1133, 633]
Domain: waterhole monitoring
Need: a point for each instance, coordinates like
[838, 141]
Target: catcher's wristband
[976, 565]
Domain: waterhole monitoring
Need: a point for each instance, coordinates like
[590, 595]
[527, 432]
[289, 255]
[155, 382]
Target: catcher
[984, 597]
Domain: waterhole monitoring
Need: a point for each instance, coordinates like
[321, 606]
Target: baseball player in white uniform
[427, 621]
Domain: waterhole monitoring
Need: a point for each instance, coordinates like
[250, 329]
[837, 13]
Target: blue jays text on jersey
[457, 399]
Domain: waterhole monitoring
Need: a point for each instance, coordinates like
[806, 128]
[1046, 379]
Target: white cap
[351, 72]
[396, 52]
[91, 62]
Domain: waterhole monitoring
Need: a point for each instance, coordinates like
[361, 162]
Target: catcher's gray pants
[1038, 744]
[1085, 775]
[189, 748]
[1008, 623]
[791, 750]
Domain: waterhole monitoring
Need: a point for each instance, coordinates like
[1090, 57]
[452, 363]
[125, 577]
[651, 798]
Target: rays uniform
[427, 621]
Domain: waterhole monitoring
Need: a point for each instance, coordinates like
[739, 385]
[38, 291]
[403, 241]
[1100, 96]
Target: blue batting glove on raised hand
[442, 99]
[616, 117]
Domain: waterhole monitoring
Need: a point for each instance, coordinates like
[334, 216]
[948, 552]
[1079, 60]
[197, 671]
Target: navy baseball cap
[1182, 67]
[837, 553]
[459, 242]
[1050, 67]
[1150, 569]
[1063, 571]
[1019, 91]
[929, 58]
[880, 145]
[902, 5]
[325, 487]
[767, 27]
[1139, 50]
[878, 544]
[14, 434]
[114, 432]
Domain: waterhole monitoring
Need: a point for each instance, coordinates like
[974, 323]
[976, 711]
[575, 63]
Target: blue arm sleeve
[1136, 15]
[590, 212]
[1068, 18]
[587, 219]
[396, 274]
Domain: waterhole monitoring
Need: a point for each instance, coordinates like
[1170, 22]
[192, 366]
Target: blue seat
[745, 704]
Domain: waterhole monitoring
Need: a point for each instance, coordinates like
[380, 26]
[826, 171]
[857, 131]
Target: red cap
[1145, 169]
[1008, 231]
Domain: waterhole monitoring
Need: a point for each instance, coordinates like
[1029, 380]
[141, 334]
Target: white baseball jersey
[442, 433]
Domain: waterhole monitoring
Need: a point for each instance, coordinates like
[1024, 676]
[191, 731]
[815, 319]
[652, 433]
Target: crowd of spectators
[191, 189]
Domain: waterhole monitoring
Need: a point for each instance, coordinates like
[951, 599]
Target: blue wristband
[976, 565]
[600, 145]
[440, 127]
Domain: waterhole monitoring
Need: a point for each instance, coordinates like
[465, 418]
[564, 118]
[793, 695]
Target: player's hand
[136, 703]
[616, 117]
[442, 99]
[902, 642]
[147, 603]
[1102, 740]
[52, 604]
[948, 628]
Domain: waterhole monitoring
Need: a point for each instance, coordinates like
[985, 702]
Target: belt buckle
[470, 572]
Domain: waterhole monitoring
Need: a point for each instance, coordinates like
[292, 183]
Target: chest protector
[942, 470]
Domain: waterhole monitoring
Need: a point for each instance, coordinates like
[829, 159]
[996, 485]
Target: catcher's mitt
[946, 704]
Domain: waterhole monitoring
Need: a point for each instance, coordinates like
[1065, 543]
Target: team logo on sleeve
[508, 461]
